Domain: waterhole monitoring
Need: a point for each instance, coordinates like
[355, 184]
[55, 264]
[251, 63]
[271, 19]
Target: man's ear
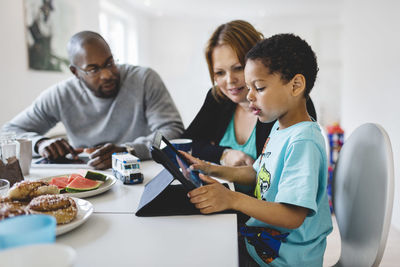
[74, 71]
[298, 84]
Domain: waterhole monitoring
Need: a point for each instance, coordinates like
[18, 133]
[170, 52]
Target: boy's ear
[298, 84]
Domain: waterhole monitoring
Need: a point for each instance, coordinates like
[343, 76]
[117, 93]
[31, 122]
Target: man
[106, 107]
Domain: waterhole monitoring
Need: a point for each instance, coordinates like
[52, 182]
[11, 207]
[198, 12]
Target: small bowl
[39, 255]
[26, 230]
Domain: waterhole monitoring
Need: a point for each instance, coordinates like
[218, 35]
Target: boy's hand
[212, 197]
[197, 164]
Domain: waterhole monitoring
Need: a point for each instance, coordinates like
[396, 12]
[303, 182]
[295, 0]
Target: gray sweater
[142, 106]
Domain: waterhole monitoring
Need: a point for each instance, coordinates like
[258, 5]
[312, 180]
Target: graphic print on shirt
[266, 241]
[263, 182]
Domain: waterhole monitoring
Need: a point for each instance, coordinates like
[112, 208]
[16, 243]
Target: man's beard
[108, 93]
[101, 93]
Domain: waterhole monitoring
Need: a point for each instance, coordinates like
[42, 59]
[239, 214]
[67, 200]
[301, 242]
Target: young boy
[290, 216]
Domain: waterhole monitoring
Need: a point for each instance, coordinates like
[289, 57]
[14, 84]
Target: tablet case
[160, 198]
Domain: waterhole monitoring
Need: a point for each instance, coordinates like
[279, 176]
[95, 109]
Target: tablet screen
[83, 159]
[190, 175]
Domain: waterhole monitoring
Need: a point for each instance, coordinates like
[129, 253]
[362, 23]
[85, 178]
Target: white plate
[85, 209]
[39, 255]
[108, 183]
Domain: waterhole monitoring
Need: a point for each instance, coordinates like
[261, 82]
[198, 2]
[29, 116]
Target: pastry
[9, 209]
[61, 207]
[26, 190]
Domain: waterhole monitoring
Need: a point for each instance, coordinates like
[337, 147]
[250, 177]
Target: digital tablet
[67, 162]
[190, 179]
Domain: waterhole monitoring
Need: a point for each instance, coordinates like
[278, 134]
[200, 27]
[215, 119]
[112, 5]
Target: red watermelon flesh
[80, 184]
[61, 182]
[73, 176]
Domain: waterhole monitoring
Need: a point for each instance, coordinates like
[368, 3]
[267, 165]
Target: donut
[13, 203]
[10, 209]
[26, 190]
[61, 207]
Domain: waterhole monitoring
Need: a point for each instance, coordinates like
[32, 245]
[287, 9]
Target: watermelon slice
[80, 184]
[95, 176]
[73, 176]
[61, 182]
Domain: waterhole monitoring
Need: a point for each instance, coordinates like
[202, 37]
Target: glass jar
[8, 146]
[9, 163]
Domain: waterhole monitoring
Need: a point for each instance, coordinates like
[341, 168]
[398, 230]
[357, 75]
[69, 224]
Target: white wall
[371, 89]
[19, 85]
[177, 54]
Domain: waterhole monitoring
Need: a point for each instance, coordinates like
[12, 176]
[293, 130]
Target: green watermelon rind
[75, 190]
[95, 176]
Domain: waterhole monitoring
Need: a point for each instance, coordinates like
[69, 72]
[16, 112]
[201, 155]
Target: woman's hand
[235, 158]
[212, 197]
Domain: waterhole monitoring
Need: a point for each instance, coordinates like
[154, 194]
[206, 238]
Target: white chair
[363, 189]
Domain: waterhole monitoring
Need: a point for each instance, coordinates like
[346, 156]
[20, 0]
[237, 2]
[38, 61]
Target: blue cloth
[292, 169]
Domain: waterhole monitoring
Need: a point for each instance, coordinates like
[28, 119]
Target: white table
[114, 236]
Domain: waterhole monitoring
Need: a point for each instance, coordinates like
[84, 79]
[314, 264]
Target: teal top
[229, 140]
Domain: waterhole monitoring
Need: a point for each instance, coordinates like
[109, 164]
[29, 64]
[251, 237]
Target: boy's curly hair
[288, 55]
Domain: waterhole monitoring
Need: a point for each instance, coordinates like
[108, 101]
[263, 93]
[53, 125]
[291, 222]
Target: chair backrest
[363, 189]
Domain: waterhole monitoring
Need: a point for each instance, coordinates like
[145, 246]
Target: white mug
[24, 154]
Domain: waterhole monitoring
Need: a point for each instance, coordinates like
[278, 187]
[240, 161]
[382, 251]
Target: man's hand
[236, 158]
[55, 148]
[212, 197]
[100, 158]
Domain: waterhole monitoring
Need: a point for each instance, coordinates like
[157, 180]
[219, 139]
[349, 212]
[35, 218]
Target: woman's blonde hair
[240, 35]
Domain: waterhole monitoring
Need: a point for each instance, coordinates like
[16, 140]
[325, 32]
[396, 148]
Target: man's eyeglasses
[95, 70]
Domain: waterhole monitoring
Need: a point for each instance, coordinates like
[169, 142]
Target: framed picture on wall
[49, 25]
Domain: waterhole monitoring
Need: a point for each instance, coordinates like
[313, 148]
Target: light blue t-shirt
[292, 169]
[229, 140]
